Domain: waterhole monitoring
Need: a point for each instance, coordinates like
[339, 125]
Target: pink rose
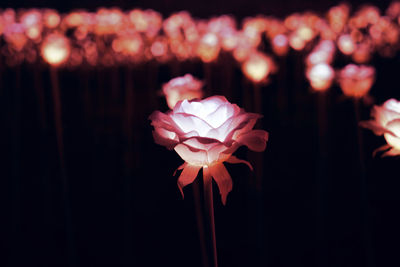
[386, 121]
[205, 133]
[180, 88]
[320, 76]
[356, 81]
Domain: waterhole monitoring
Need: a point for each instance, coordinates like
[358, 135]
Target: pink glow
[257, 67]
[205, 133]
[280, 44]
[208, 47]
[55, 49]
[356, 81]
[386, 121]
[180, 88]
[320, 76]
[346, 44]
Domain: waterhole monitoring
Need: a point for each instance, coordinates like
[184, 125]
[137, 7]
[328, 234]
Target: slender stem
[364, 189]
[200, 222]
[128, 127]
[59, 135]
[57, 115]
[321, 178]
[208, 197]
[259, 156]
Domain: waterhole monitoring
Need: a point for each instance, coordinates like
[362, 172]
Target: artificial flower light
[320, 76]
[56, 49]
[257, 67]
[180, 88]
[205, 133]
[386, 121]
[356, 81]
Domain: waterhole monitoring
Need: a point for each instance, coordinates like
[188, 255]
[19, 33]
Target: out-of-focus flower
[346, 44]
[51, 18]
[55, 49]
[15, 36]
[208, 47]
[280, 44]
[362, 54]
[386, 121]
[180, 88]
[258, 66]
[205, 133]
[320, 76]
[356, 81]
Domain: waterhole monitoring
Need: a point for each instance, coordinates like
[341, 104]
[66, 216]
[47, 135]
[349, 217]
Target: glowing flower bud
[208, 47]
[257, 67]
[320, 76]
[296, 42]
[362, 54]
[280, 44]
[51, 18]
[386, 121]
[356, 81]
[180, 88]
[55, 49]
[346, 44]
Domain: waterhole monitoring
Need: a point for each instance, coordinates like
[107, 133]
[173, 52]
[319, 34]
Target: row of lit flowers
[112, 36]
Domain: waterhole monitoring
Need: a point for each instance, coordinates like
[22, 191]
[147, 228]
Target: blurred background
[115, 202]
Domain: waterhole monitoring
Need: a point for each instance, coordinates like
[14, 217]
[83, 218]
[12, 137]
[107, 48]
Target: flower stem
[200, 222]
[208, 197]
[60, 145]
[370, 261]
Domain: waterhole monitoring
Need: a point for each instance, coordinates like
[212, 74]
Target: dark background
[320, 205]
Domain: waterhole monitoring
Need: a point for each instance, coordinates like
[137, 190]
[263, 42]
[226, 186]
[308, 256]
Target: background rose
[356, 81]
[180, 88]
[205, 133]
[386, 121]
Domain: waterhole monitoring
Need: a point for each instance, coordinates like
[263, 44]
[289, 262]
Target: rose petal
[235, 160]
[180, 168]
[382, 148]
[374, 126]
[217, 153]
[223, 180]
[191, 156]
[220, 115]
[202, 143]
[383, 115]
[165, 138]
[188, 123]
[187, 176]
[393, 137]
[391, 152]
[164, 120]
[255, 140]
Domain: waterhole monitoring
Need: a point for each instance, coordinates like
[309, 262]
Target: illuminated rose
[205, 133]
[320, 76]
[180, 88]
[356, 81]
[258, 66]
[56, 49]
[386, 121]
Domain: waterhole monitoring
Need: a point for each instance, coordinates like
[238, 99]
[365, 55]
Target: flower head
[180, 88]
[320, 76]
[56, 49]
[356, 81]
[205, 133]
[386, 121]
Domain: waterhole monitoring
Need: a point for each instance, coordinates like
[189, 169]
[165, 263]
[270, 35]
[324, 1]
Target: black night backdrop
[110, 199]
